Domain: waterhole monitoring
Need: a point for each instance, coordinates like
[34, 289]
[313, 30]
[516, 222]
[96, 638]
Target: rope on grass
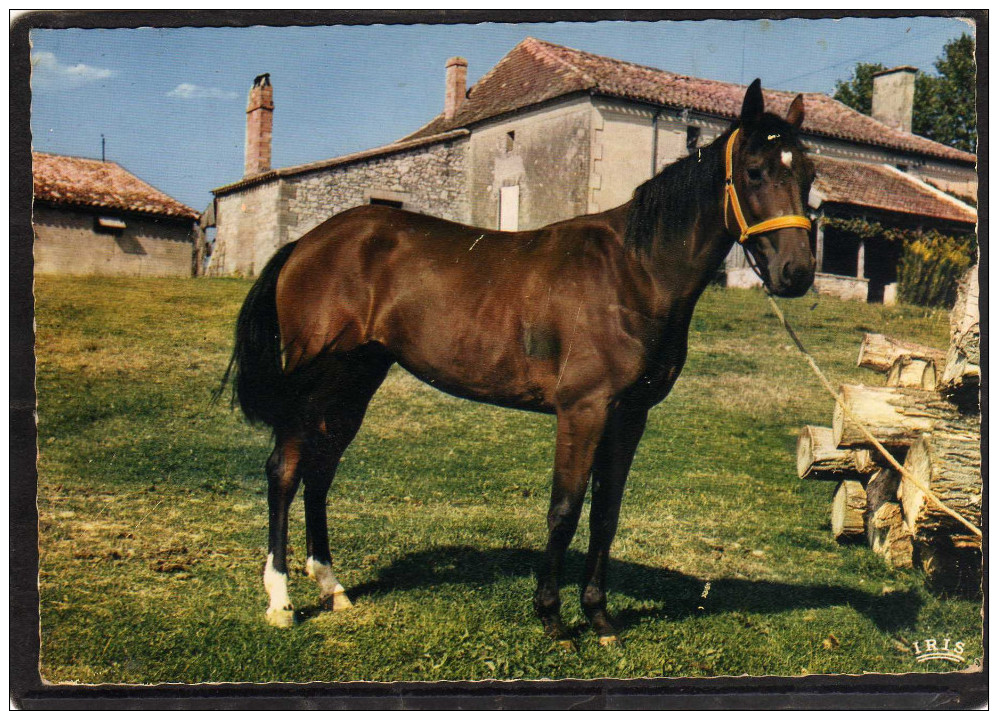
[862, 428]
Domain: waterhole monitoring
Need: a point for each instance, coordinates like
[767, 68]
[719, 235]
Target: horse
[586, 319]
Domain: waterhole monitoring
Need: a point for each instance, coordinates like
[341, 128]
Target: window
[510, 141]
[389, 203]
[692, 139]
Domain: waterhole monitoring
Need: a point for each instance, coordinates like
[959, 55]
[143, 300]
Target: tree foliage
[945, 103]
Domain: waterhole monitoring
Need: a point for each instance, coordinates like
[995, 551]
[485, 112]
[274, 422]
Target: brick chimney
[259, 126]
[457, 78]
[894, 97]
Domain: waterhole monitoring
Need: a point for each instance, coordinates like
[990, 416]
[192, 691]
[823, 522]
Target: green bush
[931, 267]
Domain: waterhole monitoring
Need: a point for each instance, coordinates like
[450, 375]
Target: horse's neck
[682, 267]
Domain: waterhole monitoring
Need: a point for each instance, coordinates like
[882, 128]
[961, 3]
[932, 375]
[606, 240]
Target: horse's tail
[256, 367]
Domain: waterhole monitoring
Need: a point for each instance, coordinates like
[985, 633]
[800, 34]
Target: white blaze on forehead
[787, 158]
[323, 575]
[276, 585]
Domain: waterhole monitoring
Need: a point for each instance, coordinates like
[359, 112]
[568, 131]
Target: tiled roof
[92, 183]
[885, 188]
[536, 71]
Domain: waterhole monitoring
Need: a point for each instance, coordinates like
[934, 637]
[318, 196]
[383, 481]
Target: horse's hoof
[610, 640]
[336, 602]
[281, 618]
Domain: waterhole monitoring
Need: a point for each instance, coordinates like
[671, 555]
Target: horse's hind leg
[355, 379]
[282, 483]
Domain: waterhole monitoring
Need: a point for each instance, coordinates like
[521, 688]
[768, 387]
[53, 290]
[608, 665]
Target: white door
[509, 208]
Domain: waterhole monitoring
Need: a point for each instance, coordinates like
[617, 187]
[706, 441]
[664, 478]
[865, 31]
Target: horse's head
[770, 177]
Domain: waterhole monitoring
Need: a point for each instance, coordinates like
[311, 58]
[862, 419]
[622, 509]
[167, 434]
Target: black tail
[257, 367]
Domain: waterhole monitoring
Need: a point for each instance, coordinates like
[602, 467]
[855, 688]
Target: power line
[853, 59]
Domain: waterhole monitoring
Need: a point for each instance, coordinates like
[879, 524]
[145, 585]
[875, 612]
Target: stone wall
[246, 230]
[842, 287]
[430, 179]
[67, 242]
[547, 156]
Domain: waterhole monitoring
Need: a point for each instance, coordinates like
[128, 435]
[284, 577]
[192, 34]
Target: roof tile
[92, 183]
[885, 188]
[536, 71]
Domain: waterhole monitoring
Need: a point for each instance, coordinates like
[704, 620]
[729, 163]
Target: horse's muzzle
[793, 277]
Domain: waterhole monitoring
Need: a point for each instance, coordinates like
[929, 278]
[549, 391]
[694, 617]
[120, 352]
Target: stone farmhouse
[552, 132]
[94, 217]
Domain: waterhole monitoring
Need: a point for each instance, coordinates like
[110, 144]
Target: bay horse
[586, 319]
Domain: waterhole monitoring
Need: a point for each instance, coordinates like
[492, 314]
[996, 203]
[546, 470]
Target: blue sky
[171, 102]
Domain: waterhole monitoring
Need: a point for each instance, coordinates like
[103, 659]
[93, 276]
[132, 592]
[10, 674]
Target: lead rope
[848, 413]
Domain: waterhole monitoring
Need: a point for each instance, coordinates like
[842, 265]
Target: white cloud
[47, 69]
[193, 91]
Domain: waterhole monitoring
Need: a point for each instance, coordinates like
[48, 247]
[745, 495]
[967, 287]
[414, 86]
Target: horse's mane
[667, 205]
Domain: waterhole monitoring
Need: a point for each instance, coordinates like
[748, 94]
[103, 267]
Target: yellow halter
[731, 197]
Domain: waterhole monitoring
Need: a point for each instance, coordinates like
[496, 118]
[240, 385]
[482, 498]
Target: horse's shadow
[672, 594]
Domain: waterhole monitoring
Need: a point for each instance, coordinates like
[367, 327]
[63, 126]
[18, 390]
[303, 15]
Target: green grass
[152, 514]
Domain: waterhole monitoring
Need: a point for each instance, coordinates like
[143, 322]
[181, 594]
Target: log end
[848, 508]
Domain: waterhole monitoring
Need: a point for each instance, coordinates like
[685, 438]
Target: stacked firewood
[927, 416]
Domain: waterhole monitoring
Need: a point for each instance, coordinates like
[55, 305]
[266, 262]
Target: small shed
[865, 268]
[95, 217]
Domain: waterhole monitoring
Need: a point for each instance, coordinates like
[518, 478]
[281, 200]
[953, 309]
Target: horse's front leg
[579, 430]
[612, 463]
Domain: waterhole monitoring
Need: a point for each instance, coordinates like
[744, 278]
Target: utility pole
[102, 156]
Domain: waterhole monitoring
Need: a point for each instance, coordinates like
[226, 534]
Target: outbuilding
[95, 217]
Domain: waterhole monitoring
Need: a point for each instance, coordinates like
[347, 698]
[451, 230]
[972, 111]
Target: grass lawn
[152, 514]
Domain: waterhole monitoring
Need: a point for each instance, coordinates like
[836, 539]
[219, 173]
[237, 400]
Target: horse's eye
[755, 174]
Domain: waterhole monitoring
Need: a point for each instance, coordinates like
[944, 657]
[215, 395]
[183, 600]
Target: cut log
[966, 311]
[950, 466]
[878, 352]
[961, 375]
[819, 459]
[889, 536]
[848, 509]
[911, 372]
[961, 378]
[882, 488]
[896, 416]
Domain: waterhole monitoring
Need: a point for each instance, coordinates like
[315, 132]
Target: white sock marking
[276, 585]
[323, 575]
[787, 158]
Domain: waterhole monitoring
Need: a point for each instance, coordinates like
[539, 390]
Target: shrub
[931, 267]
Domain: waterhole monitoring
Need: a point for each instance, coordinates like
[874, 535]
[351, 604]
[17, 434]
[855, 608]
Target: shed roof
[85, 182]
[884, 187]
[536, 71]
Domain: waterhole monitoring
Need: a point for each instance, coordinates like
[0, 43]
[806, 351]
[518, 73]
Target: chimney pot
[456, 80]
[259, 125]
[894, 97]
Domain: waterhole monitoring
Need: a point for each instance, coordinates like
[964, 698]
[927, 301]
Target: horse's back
[356, 276]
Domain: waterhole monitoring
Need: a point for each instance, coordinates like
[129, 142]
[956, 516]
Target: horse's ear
[752, 106]
[795, 114]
